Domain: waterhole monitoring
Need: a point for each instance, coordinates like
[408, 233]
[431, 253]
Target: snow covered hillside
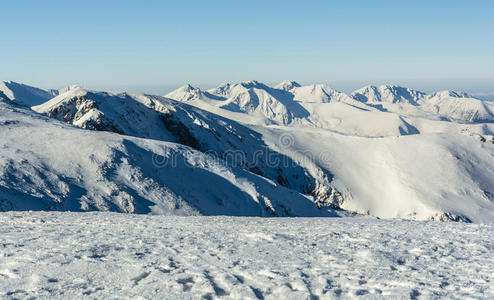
[163, 119]
[107, 255]
[388, 152]
[48, 165]
[428, 176]
[23, 94]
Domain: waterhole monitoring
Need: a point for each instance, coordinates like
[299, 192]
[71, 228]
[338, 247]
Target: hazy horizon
[343, 86]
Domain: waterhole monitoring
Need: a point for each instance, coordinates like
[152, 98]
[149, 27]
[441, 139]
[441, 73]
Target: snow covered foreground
[126, 256]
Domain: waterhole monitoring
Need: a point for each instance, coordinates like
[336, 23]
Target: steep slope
[48, 165]
[23, 94]
[424, 176]
[164, 119]
[120, 113]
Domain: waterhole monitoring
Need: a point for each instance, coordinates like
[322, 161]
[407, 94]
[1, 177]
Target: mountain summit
[23, 94]
[388, 93]
[287, 85]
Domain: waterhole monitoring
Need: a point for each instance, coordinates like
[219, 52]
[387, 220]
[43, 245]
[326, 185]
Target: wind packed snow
[109, 255]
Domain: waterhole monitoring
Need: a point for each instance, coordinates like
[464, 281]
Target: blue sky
[154, 46]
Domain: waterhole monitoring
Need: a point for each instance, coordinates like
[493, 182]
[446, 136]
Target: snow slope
[159, 118]
[23, 94]
[108, 255]
[48, 165]
[427, 176]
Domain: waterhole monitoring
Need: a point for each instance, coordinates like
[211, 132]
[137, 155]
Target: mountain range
[249, 149]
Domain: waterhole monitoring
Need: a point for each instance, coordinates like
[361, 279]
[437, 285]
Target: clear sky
[154, 46]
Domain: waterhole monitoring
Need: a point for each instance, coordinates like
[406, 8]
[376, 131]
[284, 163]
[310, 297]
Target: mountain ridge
[362, 156]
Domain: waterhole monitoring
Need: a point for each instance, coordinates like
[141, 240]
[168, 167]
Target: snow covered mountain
[318, 93]
[287, 85]
[186, 93]
[382, 151]
[290, 103]
[387, 93]
[48, 165]
[421, 176]
[23, 94]
[251, 97]
[459, 106]
[452, 105]
[163, 119]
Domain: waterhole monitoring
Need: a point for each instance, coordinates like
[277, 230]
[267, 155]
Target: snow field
[109, 255]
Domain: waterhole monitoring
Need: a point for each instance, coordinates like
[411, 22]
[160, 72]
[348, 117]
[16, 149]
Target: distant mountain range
[249, 149]
[288, 100]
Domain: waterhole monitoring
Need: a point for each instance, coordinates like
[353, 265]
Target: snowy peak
[449, 94]
[250, 97]
[23, 94]
[186, 93]
[253, 84]
[447, 105]
[388, 94]
[287, 85]
[261, 103]
[318, 93]
[223, 90]
[459, 106]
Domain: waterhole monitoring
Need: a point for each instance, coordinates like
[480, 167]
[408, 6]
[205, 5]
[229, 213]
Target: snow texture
[108, 255]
